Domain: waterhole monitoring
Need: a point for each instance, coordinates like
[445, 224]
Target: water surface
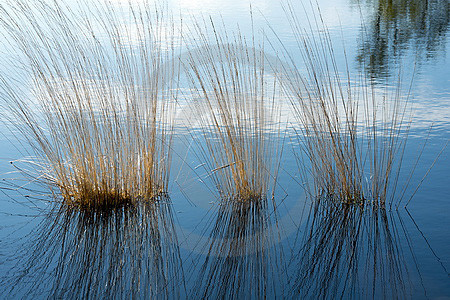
[193, 245]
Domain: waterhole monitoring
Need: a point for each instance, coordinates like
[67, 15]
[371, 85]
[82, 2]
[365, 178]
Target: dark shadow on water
[123, 252]
[242, 259]
[396, 26]
[349, 251]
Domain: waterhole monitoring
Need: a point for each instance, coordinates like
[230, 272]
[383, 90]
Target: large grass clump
[234, 104]
[92, 96]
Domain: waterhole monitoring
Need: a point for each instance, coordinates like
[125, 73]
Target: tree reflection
[242, 260]
[122, 252]
[399, 24]
[350, 251]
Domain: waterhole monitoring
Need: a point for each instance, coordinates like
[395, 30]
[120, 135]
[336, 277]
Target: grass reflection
[242, 260]
[350, 251]
[122, 252]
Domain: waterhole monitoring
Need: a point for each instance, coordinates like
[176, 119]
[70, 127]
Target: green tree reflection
[397, 26]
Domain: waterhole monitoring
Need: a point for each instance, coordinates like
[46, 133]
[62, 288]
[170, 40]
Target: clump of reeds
[233, 95]
[95, 100]
[352, 133]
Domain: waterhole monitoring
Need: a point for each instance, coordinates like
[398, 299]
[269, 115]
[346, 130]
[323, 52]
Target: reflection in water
[242, 260]
[120, 253]
[350, 251]
[398, 25]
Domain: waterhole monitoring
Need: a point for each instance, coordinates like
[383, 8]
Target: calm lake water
[190, 246]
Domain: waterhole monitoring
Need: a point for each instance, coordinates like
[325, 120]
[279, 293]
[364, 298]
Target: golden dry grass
[96, 103]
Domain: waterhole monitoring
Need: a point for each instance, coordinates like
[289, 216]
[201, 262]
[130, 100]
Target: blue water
[191, 245]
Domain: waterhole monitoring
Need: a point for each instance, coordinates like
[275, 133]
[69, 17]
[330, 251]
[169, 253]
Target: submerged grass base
[109, 198]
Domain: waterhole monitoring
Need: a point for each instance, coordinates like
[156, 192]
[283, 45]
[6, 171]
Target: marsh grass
[95, 97]
[235, 107]
[352, 133]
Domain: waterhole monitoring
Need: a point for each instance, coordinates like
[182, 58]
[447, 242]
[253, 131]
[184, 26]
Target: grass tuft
[96, 99]
[352, 133]
[235, 108]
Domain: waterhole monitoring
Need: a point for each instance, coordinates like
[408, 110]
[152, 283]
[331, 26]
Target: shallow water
[191, 245]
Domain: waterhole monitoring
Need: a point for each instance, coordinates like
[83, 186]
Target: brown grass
[95, 104]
